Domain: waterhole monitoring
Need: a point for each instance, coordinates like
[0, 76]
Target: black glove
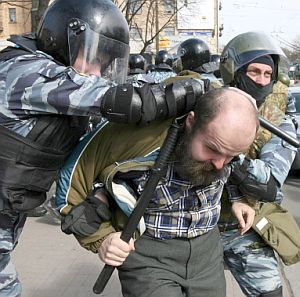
[239, 172]
[85, 218]
[126, 104]
[248, 186]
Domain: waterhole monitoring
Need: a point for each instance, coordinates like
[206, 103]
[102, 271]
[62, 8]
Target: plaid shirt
[179, 209]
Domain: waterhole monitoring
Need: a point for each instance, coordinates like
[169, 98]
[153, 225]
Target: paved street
[52, 264]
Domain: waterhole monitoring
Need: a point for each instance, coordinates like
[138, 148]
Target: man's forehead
[223, 150]
[260, 66]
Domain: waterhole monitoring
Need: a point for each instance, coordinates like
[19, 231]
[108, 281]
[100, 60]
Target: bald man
[178, 252]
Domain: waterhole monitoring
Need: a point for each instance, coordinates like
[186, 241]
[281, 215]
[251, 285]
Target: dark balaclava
[245, 83]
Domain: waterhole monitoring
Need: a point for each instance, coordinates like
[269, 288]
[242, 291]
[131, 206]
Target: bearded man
[178, 251]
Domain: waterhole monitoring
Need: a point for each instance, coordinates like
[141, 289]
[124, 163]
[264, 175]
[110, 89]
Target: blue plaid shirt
[179, 209]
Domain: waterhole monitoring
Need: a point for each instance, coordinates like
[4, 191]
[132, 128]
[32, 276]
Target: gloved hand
[239, 170]
[126, 104]
[85, 218]
[263, 191]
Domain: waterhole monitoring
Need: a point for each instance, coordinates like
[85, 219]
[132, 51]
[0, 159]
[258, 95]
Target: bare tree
[292, 51]
[132, 9]
[149, 12]
[292, 54]
[37, 11]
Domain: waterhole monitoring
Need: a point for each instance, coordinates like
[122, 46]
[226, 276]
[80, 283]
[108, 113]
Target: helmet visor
[94, 53]
[250, 46]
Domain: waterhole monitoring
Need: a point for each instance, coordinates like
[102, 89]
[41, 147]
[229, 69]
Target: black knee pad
[274, 293]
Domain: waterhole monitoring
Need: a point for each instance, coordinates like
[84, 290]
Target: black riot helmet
[193, 53]
[137, 63]
[163, 57]
[150, 68]
[215, 58]
[84, 33]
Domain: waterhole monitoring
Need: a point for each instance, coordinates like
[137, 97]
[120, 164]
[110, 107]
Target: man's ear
[190, 120]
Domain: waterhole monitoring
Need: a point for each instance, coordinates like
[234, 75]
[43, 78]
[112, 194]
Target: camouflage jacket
[269, 154]
[160, 76]
[33, 84]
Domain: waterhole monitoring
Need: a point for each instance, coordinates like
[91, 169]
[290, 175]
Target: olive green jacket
[115, 147]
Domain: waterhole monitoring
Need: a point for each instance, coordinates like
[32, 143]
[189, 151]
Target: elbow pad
[128, 104]
[250, 187]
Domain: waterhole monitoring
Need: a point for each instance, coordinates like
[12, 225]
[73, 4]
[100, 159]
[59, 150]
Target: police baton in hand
[157, 171]
[278, 132]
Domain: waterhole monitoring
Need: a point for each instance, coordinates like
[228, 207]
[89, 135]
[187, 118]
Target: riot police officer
[215, 58]
[52, 82]
[163, 67]
[194, 56]
[163, 61]
[137, 64]
[250, 62]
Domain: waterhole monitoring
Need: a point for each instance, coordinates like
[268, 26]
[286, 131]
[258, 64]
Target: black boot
[37, 212]
[274, 293]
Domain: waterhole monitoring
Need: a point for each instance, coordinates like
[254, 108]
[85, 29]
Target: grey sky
[280, 18]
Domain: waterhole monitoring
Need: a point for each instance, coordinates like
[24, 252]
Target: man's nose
[262, 80]
[219, 163]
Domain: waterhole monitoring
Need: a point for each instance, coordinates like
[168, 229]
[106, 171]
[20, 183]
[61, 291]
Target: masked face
[260, 73]
[197, 172]
[256, 80]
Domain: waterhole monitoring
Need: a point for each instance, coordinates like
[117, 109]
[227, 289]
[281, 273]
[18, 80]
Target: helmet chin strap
[257, 91]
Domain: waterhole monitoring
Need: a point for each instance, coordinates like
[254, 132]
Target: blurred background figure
[195, 57]
[137, 64]
[150, 68]
[215, 58]
[137, 70]
[163, 67]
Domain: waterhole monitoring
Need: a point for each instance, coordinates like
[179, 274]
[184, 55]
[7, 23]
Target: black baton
[278, 132]
[157, 171]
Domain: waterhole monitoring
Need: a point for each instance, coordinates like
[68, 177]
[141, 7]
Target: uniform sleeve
[278, 155]
[38, 85]
[264, 176]
[275, 159]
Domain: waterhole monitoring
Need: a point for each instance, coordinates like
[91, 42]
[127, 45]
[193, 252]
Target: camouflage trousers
[252, 263]
[11, 225]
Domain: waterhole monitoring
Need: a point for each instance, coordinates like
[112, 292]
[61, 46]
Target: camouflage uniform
[9, 282]
[137, 79]
[31, 85]
[250, 260]
[160, 76]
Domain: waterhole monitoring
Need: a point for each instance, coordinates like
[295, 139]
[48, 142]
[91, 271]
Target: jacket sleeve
[109, 144]
[77, 177]
[263, 177]
[46, 87]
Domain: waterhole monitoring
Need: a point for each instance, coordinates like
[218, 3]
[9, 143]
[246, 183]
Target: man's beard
[197, 172]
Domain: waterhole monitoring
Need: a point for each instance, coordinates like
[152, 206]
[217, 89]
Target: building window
[135, 6]
[169, 6]
[169, 31]
[12, 15]
[135, 33]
